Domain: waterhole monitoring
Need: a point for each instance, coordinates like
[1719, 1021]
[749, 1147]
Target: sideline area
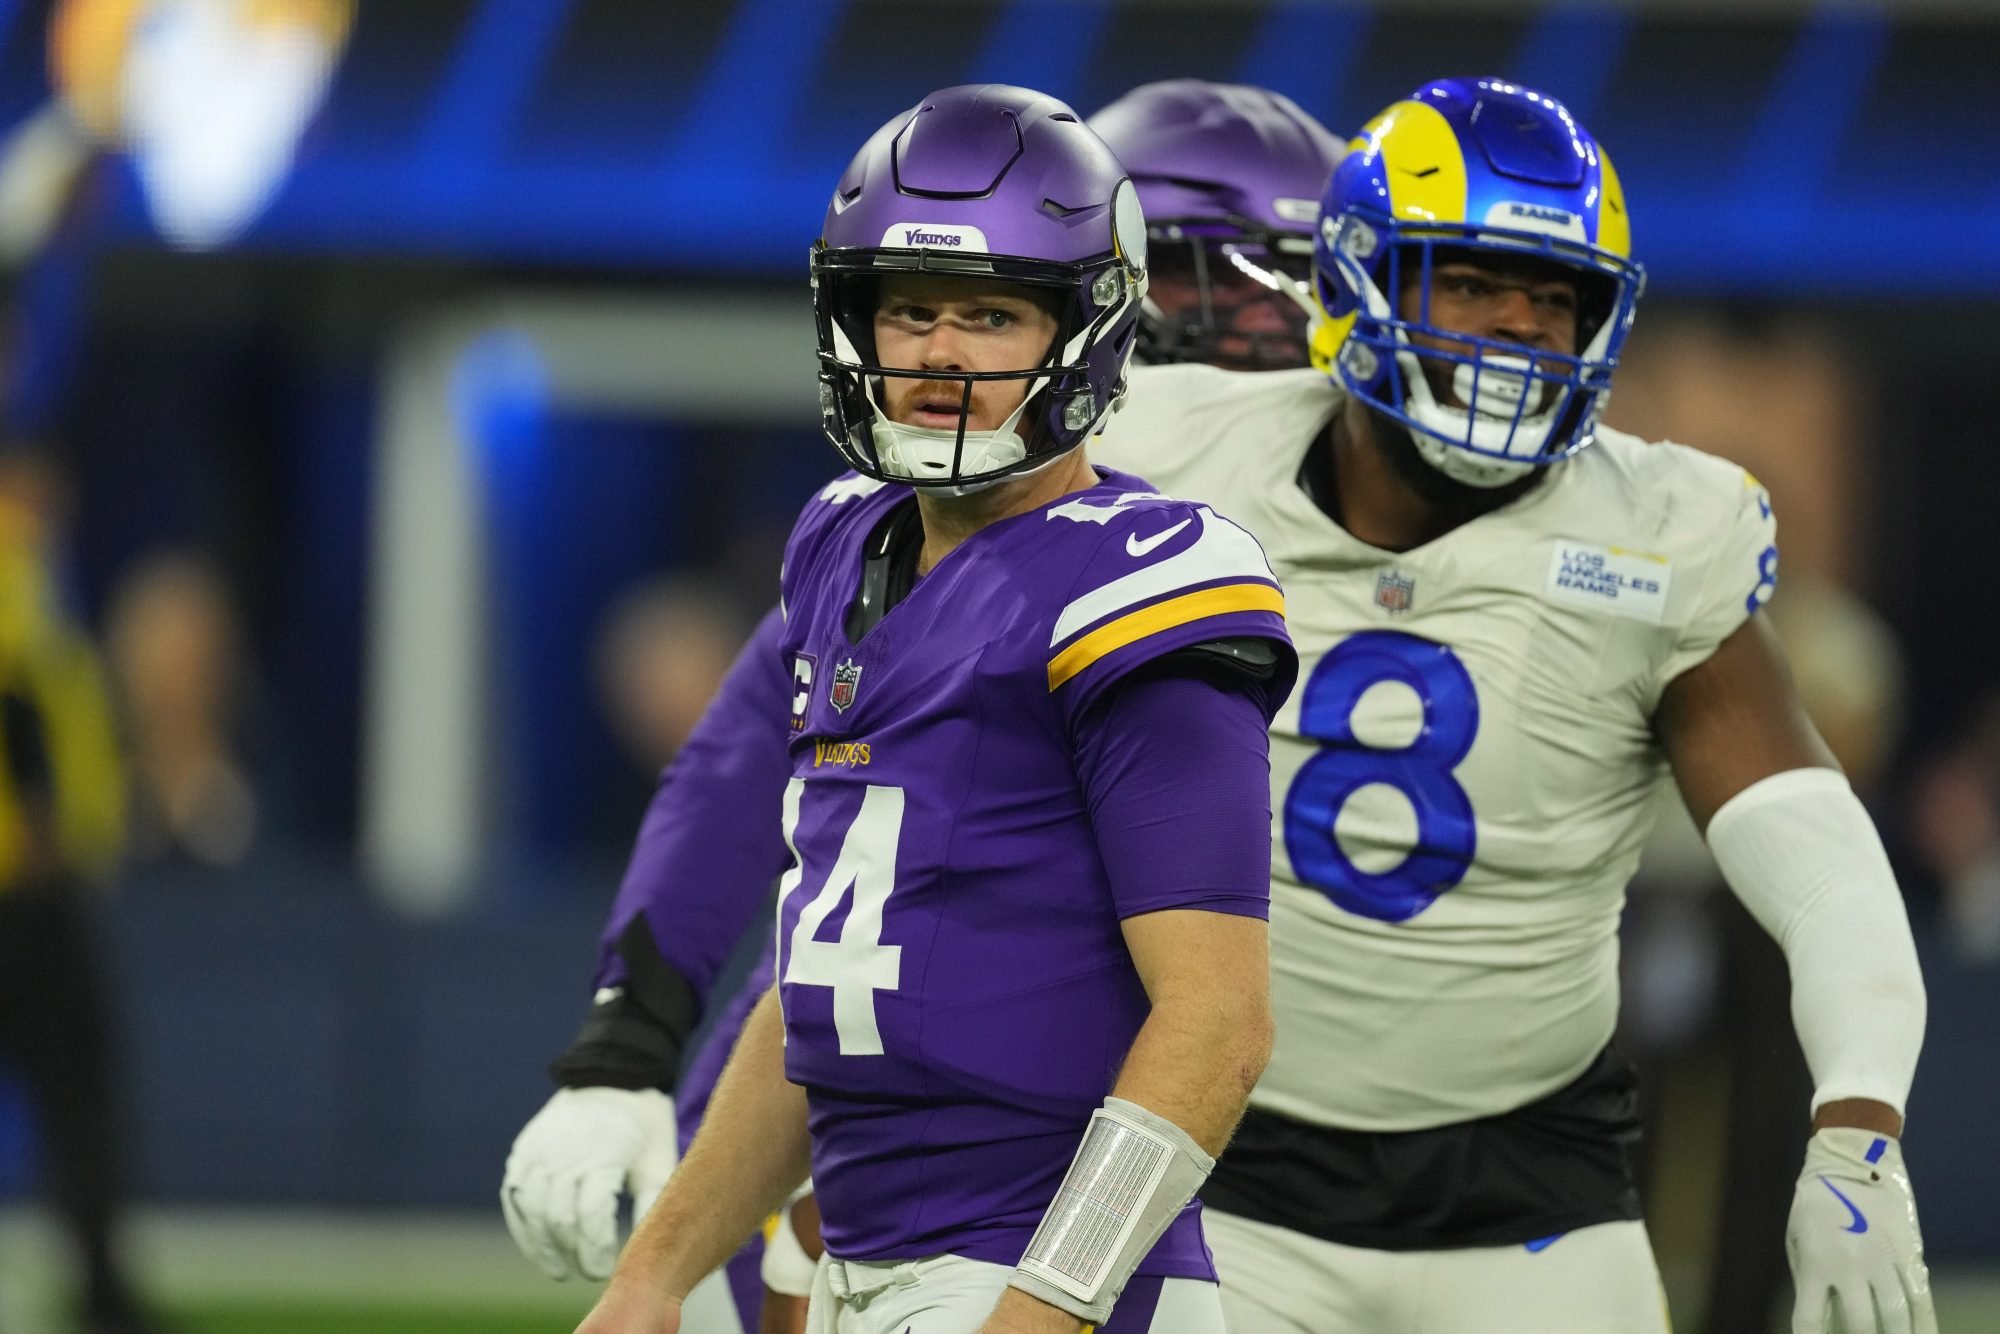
[247, 1271]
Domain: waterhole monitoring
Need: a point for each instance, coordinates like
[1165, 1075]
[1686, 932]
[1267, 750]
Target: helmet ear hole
[1597, 299]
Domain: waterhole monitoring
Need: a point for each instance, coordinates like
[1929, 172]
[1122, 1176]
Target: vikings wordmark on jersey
[1461, 786]
[956, 989]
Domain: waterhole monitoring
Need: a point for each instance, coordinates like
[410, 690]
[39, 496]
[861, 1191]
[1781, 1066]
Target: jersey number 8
[1422, 771]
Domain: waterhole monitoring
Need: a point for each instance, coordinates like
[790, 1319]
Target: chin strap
[1495, 387]
[920, 452]
[1486, 445]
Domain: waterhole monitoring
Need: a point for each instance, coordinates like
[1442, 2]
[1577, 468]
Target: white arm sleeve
[1801, 852]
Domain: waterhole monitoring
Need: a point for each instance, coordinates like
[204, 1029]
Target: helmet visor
[949, 370]
[1229, 296]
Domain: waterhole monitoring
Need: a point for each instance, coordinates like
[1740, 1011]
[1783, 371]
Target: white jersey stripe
[1223, 551]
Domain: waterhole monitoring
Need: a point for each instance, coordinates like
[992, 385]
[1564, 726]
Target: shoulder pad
[849, 486]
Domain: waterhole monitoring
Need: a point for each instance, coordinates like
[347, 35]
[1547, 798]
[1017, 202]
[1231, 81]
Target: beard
[1454, 500]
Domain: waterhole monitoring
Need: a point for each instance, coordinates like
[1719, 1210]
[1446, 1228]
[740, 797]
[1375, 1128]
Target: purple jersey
[704, 861]
[957, 991]
[697, 1086]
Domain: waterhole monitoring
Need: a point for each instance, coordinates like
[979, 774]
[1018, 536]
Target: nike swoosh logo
[1860, 1223]
[1135, 547]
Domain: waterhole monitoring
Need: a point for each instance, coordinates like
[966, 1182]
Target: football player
[1228, 177]
[1514, 622]
[1021, 967]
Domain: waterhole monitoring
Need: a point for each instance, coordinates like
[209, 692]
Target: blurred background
[406, 404]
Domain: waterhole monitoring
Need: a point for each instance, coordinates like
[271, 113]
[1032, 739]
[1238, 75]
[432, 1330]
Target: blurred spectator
[175, 646]
[61, 799]
[1779, 395]
[1955, 818]
[1849, 670]
[663, 651]
[210, 97]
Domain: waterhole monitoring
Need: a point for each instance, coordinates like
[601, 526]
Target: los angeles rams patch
[1610, 579]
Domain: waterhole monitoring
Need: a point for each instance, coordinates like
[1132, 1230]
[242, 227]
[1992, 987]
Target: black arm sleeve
[633, 1038]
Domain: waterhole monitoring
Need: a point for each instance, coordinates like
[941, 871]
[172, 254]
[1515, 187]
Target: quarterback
[1021, 970]
[1514, 623]
[1228, 177]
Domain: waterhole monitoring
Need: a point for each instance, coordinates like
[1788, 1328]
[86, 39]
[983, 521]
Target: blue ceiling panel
[1824, 151]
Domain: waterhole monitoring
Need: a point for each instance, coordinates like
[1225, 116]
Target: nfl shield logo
[846, 680]
[1394, 592]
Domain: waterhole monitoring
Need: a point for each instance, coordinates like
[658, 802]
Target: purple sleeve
[1176, 769]
[698, 1084]
[711, 844]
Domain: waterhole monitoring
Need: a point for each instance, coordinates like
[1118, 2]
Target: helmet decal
[1128, 225]
[1425, 166]
[950, 235]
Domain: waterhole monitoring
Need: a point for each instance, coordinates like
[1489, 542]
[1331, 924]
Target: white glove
[560, 1192]
[1853, 1239]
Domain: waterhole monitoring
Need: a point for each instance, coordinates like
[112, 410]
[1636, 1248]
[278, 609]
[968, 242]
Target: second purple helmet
[1230, 177]
[1001, 184]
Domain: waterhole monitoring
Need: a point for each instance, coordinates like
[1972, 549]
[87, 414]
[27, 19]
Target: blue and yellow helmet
[1477, 166]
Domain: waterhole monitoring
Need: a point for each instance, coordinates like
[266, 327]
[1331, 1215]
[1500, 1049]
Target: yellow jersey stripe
[1134, 626]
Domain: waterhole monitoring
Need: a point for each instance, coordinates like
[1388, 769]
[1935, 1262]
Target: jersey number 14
[1423, 771]
[858, 964]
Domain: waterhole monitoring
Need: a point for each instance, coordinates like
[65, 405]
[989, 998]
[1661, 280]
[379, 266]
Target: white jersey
[1464, 777]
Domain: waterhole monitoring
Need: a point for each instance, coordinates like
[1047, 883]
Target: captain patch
[1611, 579]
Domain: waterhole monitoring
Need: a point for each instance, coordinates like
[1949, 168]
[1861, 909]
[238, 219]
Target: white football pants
[1597, 1280]
[948, 1294]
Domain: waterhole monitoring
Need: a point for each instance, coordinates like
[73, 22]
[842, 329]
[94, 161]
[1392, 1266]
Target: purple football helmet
[994, 183]
[1230, 178]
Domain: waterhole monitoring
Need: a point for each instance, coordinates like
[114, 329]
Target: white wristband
[1133, 1174]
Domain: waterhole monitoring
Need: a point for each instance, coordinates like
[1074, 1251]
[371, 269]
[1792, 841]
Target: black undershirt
[1558, 1164]
[1316, 475]
[888, 568]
